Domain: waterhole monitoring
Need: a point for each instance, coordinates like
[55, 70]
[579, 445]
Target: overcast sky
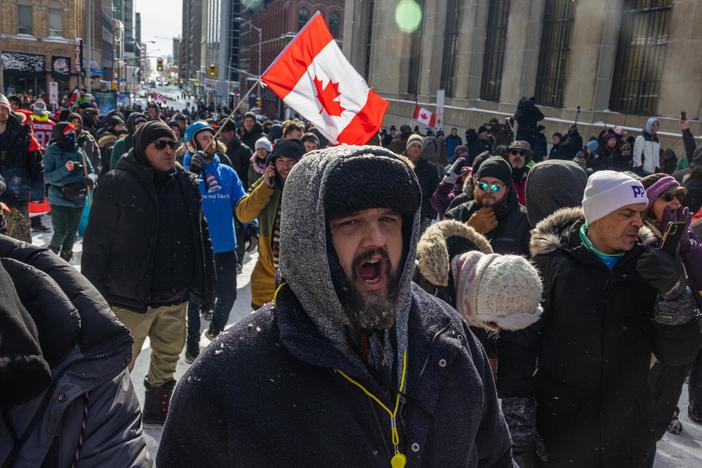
[160, 22]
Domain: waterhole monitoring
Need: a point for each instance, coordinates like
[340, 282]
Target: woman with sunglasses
[665, 197]
[69, 174]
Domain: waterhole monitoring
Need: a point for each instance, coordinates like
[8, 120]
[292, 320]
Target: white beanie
[263, 143]
[607, 191]
[501, 289]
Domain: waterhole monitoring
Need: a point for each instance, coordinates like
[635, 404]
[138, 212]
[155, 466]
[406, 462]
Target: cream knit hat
[500, 289]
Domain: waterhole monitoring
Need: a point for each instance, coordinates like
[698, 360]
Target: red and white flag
[312, 76]
[424, 116]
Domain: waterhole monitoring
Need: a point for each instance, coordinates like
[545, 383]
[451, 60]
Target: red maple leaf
[423, 116]
[329, 97]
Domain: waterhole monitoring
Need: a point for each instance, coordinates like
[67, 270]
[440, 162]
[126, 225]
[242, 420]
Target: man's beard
[375, 310]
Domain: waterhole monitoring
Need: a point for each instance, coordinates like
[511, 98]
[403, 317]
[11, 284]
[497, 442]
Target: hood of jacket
[649, 124]
[440, 242]
[554, 232]
[304, 261]
[552, 185]
[131, 121]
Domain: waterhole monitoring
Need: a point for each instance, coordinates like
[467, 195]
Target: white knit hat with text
[607, 191]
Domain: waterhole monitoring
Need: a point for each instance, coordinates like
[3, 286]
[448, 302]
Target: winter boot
[156, 402]
[66, 255]
[191, 353]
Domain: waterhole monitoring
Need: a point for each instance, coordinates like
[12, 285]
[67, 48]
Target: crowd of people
[420, 300]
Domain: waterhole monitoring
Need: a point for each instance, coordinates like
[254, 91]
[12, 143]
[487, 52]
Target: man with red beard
[351, 364]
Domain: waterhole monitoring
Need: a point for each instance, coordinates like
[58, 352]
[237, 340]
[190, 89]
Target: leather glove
[88, 181]
[681, 214]
[198, 161]
[483, 220]
[454, 171]
[659, 269]
[252, 244]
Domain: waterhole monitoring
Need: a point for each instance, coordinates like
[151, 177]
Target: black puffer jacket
[240, 156]
[593, 345]
[63, 359]
[428, 176]
[120, 241]
[511, 236]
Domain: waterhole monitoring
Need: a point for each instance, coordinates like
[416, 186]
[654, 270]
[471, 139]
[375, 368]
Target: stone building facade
[38, 44]
[618, 61]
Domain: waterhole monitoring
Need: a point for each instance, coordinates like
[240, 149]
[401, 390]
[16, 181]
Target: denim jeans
[225, 295]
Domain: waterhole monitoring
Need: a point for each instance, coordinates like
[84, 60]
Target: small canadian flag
[312, 76]
[424, 116]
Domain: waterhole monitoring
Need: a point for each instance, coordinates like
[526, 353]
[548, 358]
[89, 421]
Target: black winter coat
[120, 241]
[511, 236]
[62, 348]
[22, 170]
[274, 398]
[593, 345]
[249, 139]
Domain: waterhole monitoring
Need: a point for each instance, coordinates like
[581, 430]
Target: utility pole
[2, 76]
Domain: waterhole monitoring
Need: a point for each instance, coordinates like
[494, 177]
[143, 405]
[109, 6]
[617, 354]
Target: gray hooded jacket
[283, 363]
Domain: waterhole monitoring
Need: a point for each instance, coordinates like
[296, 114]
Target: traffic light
[212, 72]
[259, 102]
[159, 64]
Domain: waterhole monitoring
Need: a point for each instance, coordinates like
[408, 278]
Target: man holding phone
[262, 202]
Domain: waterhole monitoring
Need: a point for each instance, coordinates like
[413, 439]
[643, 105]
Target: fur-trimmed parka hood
[555, 231]
[433, 257]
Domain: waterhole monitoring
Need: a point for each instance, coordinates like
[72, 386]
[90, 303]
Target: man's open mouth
[370, 271]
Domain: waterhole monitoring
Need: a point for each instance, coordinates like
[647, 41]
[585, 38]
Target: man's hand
[659, 269]
[483, 220]
[70, 166]
[88, 181]
[681, 214]
[684, 125]
[269, 176]
[198, 161]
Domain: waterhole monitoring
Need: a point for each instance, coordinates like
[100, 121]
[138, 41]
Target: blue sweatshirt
[219, 205]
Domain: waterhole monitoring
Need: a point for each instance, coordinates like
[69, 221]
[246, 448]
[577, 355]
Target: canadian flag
[312, 76]
[424, 116]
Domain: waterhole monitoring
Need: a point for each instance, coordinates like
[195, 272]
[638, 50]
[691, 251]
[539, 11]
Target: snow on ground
[674, 451]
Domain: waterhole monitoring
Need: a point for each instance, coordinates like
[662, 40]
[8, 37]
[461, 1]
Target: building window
[453, 10]
[498, 16]
[334, 24]
[303, 16]
[55, 22]
[24, 19]
[369, 39]
[555, 40]
[641, 52]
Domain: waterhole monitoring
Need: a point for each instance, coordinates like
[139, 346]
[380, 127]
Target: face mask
[70, 138]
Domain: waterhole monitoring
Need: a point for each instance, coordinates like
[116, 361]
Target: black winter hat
[147, 134]
[496, 167]
[250, 115]
[292, 148]
[133, 119]
[74, 115]
[372, 180]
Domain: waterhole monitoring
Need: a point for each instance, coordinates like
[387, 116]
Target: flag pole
[236, 108]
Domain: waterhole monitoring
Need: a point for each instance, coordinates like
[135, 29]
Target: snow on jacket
[64, 362]
[647, 150]
[219, 206]
[294, 408]
[593, 345]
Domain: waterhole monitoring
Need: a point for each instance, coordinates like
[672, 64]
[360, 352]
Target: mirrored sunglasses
[494, 187]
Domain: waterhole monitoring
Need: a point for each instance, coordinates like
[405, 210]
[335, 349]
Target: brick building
[38, 45]
[279, 21]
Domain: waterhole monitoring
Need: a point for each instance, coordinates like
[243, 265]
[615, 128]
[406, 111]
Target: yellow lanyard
[399, 459]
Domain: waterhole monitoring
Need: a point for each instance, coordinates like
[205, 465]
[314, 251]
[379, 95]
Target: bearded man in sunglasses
[518, 155]
[146, 249]
[495, 211]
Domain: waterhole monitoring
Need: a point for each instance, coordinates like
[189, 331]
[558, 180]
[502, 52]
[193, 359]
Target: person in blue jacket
[70, 175]
[221, 190]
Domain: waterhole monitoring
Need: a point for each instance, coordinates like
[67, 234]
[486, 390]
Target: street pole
[2, 76]
[90, 47]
